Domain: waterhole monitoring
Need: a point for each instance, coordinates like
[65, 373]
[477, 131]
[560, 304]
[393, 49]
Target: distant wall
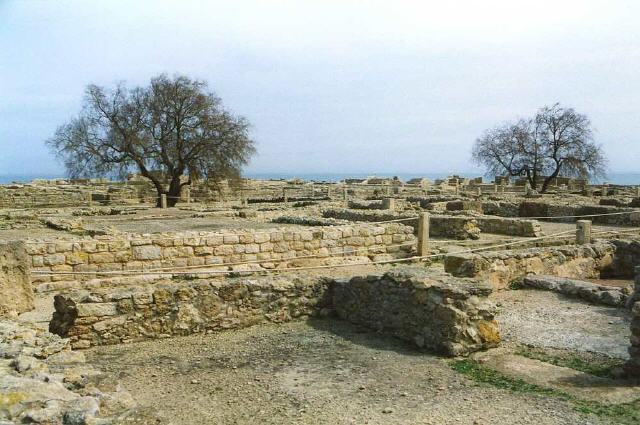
[546, 209]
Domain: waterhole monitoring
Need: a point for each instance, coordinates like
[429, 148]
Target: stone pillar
[604, 190]
[457, 188]
[423, 234]
[345, 194]
[495, 188]
[243, 198]
[188, 194]
[163, 200]
[90, 199]
[637, 191]
[389, 204]
[329, 191]
[16, 291]
[479, 191]
[284, 195]
[583, 232]
[632, 366]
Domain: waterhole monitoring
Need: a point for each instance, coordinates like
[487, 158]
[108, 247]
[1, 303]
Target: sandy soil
[316, 372]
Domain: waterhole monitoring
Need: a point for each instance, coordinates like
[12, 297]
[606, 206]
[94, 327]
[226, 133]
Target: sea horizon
[621, 178]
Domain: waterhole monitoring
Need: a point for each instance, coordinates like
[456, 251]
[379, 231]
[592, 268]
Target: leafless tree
[172, 131]
[556, 142]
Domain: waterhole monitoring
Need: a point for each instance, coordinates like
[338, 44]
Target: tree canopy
[172, 131]
[557, 141]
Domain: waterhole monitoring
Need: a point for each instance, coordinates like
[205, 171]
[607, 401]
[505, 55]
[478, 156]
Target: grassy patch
[517, 284]
[597, 366]
[623, 414]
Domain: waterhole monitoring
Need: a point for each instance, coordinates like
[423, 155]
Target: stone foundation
[552, 210]
[16, 292]
[170, 308]
[441, 314]
[597, 294]
[445, 226]
[632, 366]
[501, 268]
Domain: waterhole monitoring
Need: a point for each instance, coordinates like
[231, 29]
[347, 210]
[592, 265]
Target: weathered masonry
[615, 258]
[438, 313]
[16, 293]
[193, 249]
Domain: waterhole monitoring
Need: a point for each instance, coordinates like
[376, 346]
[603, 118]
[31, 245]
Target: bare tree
[556, 142]
[172, 131]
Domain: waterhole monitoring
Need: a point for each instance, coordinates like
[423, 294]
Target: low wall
[446, 226]
[501, 268]
[147, 252]
[169, 308]
[626, 259]
[509, 226]
[16, 292]
[632, 366]
[442, 314]
[597, 294]
[551, 210]
[445, 315]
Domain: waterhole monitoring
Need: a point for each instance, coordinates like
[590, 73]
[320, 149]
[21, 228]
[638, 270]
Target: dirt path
[317, 372]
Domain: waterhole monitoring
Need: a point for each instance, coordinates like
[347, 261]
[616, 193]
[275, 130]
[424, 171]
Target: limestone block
[231, 239]
[101, 257]
[97, 309]
[16, 292]
[54, 259]
[214, 240]
[147, 252]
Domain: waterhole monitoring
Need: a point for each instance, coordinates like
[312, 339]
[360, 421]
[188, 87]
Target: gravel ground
[315, 372]
[547, 319]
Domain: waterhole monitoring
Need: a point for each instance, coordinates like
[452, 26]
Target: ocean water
[627, 178]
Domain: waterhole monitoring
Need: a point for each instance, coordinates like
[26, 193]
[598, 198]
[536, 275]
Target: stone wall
[441, 314]
[553, 209]
[501, 268]
[445, 226]
[509, 226]
[16, 292]
[147, 252]
[632, 366]
[626, 259]
[597, 294]
[168, 308]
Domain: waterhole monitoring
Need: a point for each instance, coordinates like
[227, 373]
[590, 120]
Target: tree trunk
[548, 180]
[175, 190]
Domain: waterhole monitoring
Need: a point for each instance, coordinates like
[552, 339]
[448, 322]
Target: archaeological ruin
[300, 287]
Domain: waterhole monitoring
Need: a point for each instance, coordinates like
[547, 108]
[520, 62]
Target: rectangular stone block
[97, 309]
[147, 252]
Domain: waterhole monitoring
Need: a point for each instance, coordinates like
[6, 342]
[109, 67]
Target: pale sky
[331, 86]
